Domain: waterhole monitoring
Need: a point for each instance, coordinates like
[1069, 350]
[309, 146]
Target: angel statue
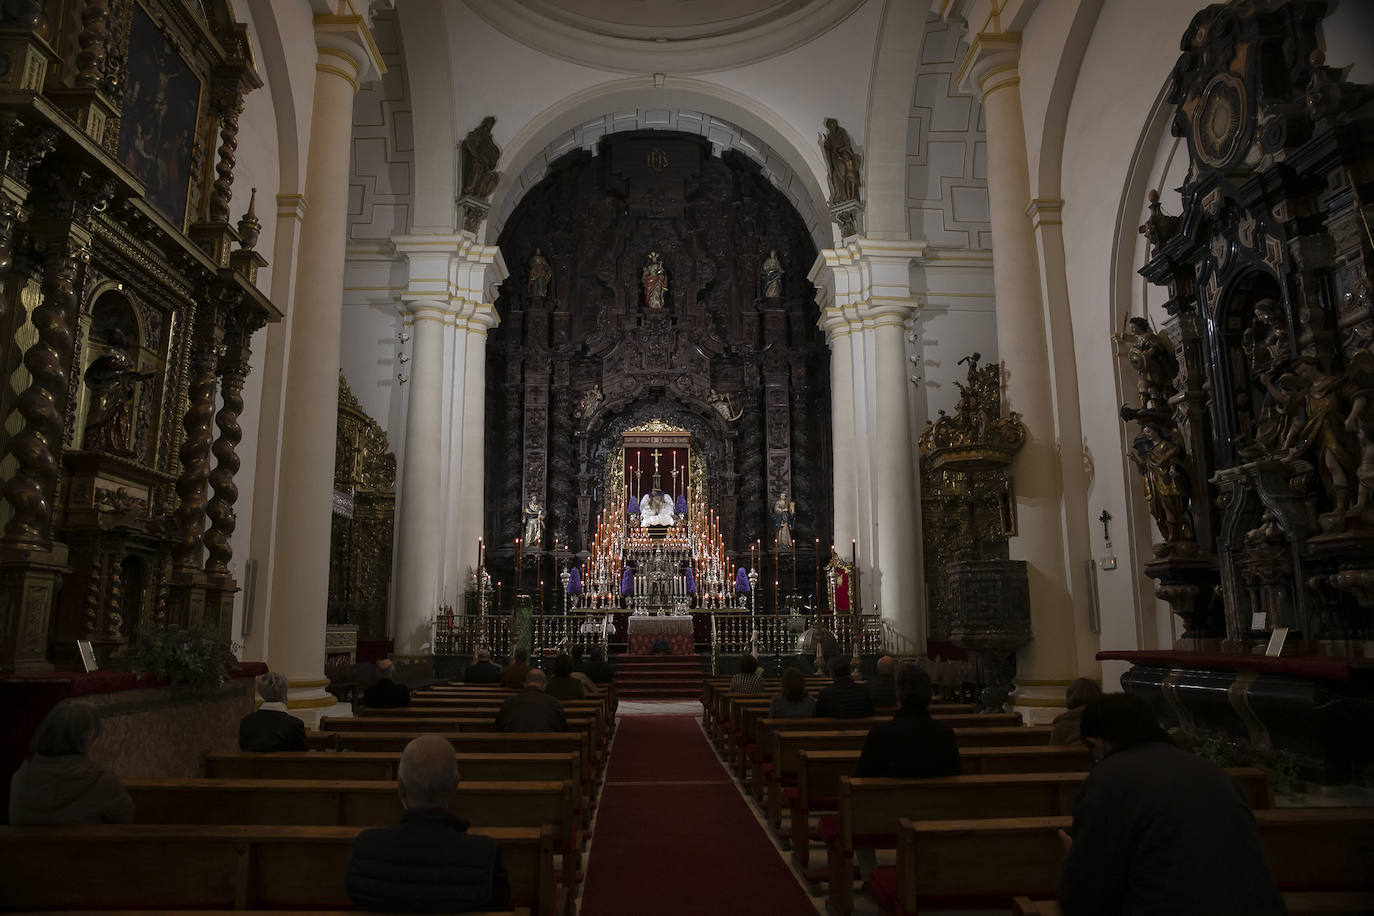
[1167, 486]
[1153, 357]
[721, 402]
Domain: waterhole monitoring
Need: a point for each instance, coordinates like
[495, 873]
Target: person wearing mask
[58, 783]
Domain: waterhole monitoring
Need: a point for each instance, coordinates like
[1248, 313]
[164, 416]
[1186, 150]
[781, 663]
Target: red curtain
[641, 458]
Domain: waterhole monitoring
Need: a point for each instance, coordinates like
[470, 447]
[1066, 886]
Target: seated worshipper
[792, 702]
[58, 783]
[271, 728]
[655, 508]
[882, 686]
[532, 710]
[843, 699]
[563, 685]
[912, 745]
[513, 675]
[1157, 829]
[596, 667]
[1065, 725]
[428, 863]
[750, 678]
[484, 670]
[386, 693]
[580, 671]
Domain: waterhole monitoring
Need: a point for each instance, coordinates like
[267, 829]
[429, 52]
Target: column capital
[991, 63]
[1045, 211]
[863, 282]
[346, 48]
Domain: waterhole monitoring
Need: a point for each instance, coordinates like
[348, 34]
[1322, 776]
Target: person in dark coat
[386, 693]
[532, 710]
[596, 666]
[428, 863]
[912, 745]
[1065, 725]
[563, 685]
[271, 727]
[1157, 829]
[59, 783]
[883, 685]
[843, 699]
[482, 671]
[513, 675]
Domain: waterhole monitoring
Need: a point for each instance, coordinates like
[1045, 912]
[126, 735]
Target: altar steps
[658, 677]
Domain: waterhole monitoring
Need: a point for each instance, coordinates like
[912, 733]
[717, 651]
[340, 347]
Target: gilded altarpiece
[1255, 435]
[128, 301]
[364, 521]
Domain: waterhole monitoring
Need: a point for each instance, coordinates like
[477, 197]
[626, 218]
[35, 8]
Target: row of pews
[274, 831]
[1015, 794]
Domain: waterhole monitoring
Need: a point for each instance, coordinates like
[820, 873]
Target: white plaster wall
[380, 190]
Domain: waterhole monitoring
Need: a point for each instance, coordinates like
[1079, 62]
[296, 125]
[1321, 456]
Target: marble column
[866, 299]
[347, 56]
[1048, 664]
[419, 510]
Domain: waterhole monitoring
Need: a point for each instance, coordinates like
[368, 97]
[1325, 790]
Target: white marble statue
[655, 508]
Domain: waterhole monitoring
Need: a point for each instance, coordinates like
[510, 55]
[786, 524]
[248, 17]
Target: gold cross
[656, 453]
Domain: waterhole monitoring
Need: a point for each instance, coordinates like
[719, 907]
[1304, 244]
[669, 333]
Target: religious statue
[537, 276]
[1167, 487]
[534, 522]
[1324, 436]
[111, 379]
[655, 508]
[480, 156]
[591, 400]
[655, 281]
[771, 276]
[1153, 357]
[784, 514]
[721, 402]
[1265, 343]
[842, 162]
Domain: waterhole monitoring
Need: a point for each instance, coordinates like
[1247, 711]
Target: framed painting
[157, 128]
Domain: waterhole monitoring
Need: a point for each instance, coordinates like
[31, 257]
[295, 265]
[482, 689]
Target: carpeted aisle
[673, 836]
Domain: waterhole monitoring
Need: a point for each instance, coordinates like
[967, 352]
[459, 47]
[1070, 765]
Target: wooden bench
[869, 810]
[464, 743]
[1297, 904]
[401, 723]
[382, 765]
[139, 866]
[940, 862]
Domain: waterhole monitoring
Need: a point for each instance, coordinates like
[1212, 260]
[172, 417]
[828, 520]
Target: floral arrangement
[198, 658]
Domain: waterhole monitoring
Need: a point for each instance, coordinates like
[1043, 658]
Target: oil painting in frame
[157, 130]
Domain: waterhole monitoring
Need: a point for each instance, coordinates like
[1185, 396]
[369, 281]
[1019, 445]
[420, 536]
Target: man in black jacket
[272, 728]
[532, 710]
[883, 685]
[595, 667]
[428, 863]
[843, 699]
[386, 693]
[1157, 829]
[482, 671]
[912, 745]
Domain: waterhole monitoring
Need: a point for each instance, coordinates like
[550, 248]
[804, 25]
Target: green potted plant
[197, 658]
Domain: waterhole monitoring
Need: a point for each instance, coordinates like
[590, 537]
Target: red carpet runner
[674, 837]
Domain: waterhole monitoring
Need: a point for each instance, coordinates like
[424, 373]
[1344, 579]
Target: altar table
[644, 631]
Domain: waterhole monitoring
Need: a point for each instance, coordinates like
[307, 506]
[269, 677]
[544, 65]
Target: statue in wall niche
[784, 515]
[655, 281]
[842, 161]
[533, 514]
[480, 155]
[1332, 408]
[1152, 355]
[1162, 465]
[537, 275]
[770, 275]
[111, 379]
[721, 402]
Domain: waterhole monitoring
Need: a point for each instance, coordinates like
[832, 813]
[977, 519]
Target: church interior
[1011, 342]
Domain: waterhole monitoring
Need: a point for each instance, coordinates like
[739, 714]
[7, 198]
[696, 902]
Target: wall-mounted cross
[1105, 518]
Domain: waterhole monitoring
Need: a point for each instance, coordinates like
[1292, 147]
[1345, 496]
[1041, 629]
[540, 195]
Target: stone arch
[730, 120]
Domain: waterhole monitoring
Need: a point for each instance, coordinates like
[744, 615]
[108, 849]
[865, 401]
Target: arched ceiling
[663, 36]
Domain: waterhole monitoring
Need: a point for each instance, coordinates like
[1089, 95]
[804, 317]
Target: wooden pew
[382, 765]
[1307, 849]
[140, 866]
[1297, 903]
[354, 803]
[870, 808]
[398, 722]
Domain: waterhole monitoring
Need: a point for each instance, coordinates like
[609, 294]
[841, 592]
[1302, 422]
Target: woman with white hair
[272, 728]
[58, 783]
